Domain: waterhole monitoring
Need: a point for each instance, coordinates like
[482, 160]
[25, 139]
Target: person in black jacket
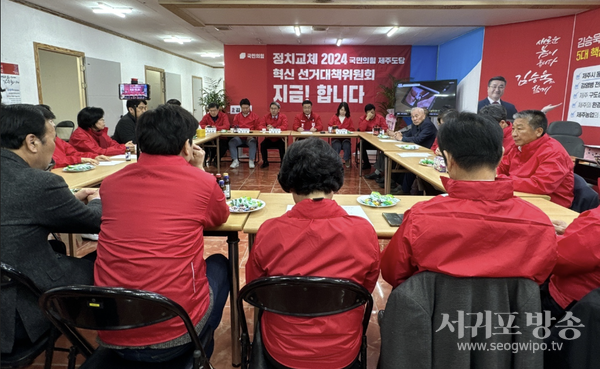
[35, 203]
[125, 130]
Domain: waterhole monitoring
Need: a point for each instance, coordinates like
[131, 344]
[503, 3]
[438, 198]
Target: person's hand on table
[313, 129]
[130, 146]
[300, 129]
[89, 161]
[438, 152]
[87, 194]
[198, 157]
[269, 126]
[559, 226]
[397, 136]
[102, 158]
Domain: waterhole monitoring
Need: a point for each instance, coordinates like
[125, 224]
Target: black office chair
[302, 297]
[24, 353]
[567, 133]
[67, 128]
[111, 308]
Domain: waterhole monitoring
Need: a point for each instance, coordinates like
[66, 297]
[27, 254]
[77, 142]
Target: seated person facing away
[245, 119]
[479, 229]
[498, 114]
[536, 162]
[577, 270]
[65, 154]
[366, 123]
[445, 114]
[153, 239]
[34, 204]
[316, 238]
[125, 130]
[92, 135]
[307, 120]
[341, 120]
[218, 119]
[277, 120]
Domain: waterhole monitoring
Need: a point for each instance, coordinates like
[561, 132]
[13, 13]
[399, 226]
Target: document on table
[112, 162]
[413, 154]
[306, 133]
[123, 156]
[355, 210]
[388, 140]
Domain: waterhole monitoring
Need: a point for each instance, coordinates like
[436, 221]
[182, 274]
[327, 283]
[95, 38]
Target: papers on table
[409, 146]
[413, 154]
[355, 210]
[306, 133]
[123, 157]
[388, 140]
[107, 163]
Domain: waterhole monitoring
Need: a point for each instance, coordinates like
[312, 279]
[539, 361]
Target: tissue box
[439, 164]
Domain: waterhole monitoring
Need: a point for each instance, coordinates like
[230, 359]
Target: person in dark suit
[34, 203]
[496, 86]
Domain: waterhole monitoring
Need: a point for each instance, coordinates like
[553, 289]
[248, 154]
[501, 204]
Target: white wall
[21, 26]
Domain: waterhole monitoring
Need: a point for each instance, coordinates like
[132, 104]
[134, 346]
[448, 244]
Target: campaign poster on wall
[10, 83]
[326, 75]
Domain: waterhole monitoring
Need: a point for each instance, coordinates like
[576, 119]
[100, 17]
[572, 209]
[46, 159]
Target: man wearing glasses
[125, 130]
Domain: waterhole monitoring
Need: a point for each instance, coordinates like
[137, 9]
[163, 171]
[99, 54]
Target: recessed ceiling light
[106, 9]
[209, 55]
[339, 42]
[392, 31]
[297, 30]
[178, 40]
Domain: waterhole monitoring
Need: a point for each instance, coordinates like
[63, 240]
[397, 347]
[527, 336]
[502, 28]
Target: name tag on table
[243, 130]
[211, 130]
[275, 130]
[306, 132]
[413, 154]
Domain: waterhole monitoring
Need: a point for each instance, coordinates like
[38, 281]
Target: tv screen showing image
[431, 95]
[129, 91]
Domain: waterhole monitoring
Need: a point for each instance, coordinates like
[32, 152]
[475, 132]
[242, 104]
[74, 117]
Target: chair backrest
[111, 308]
[64, 129]
[430, 315]
[584, 197]
[567, 133]
[12, 277]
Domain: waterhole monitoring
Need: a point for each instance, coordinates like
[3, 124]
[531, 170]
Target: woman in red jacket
[341, 120]
[92, 136]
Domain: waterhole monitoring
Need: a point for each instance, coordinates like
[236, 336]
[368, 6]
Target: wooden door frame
[163, 86]
[202, 83]
[39, 46]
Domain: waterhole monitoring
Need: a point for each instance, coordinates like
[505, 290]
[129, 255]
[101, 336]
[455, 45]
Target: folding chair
[111, 308]
[301, 297]
[24, 354]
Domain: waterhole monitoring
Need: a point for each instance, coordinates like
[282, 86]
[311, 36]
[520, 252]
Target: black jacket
[35, 203]
[125, 130]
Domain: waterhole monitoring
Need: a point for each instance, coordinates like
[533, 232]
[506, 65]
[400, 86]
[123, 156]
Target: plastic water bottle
[227, 186]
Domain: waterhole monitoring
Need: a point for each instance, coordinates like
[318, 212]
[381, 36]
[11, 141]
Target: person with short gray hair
[277, 120]
[538, 163]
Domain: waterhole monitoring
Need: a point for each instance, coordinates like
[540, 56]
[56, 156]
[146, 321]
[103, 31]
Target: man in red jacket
[218, 119]
[277, 120]
[245, 119]
[480, 229]
[307, 120]
[536, 162]
[368, 122]
[152, 235]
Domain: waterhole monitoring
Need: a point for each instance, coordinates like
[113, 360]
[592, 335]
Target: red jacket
[315, 238]
[577, 270]
[280, 122]
[153, 215]
[542, 167]
[65, 154]
[367, 125]
[435, 145]
[251, 121]
[306, 123]
[508, 140]
[97, 142]
[348, 123]
[479, 230]
[222, 121]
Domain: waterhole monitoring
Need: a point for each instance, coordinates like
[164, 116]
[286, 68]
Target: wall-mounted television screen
[130, 91]
[432, 95]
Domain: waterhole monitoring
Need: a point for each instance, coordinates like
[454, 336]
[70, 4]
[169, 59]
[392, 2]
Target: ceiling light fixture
[339, 42]
[392, 31]
[106, 9]
[178, 40]
[297, 30]
[209, 55]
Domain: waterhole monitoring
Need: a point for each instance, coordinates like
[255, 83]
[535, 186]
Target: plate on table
[79, 168]
[383, 136]
[409, 147]
[426, 162]
[245, 205]
[377, 200]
